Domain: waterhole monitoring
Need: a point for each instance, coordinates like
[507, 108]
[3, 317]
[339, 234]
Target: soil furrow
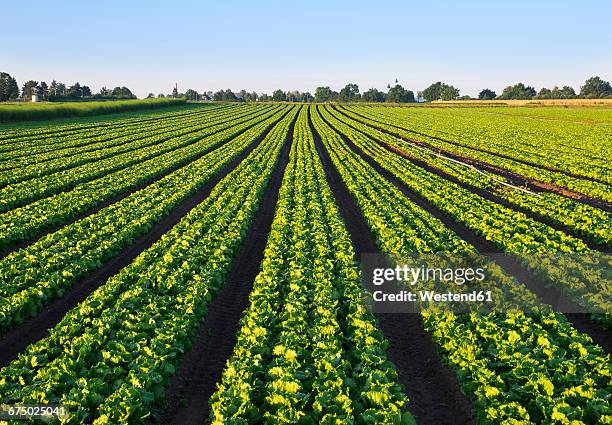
[516, 179]
[36, 328]
[547, 294]
[202, 366]
[435, 395]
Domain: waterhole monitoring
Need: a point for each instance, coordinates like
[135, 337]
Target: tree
[432, 92]
[438, 91]
[191, 94]
[264, 97]
[595, 88]
[75, 90]
[518, 91]
[217, 96]
[293, 96]
[556, 93]
[150, 96]
[566, 92]
[349, 93]
[104, 92]
[43, 90]
[9, 89]
[13, 89]
[85, 91]
[307, 97]
[224, 95]
[487, 94]
[373, 95]
[53, 88]
[279, 96]
[61, 89]
[449, 92]
[28, 89]
[251, 97]
[325, 94]
[122, 92]
[161, 96]
[175, 92]
[544, 93]
[399, 94]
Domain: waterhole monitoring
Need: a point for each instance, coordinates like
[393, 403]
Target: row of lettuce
[61, 132]
[319, 355]
[561, 261]
[563, 154]
[41, 149]
[32, 166]
[109, 358]
[45, 269]
[52, 200]
[308, 350]
[517, 368]
[590, 222]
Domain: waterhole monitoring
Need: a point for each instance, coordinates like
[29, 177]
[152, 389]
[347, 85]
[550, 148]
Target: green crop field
[22, 111]
[207, 263]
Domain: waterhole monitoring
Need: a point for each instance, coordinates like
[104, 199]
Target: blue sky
[264, 45]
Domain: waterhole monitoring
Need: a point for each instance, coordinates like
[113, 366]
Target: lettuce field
[205, 264]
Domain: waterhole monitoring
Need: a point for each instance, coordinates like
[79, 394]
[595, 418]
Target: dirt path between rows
[36, 328]
[435, 395]
[188, 392]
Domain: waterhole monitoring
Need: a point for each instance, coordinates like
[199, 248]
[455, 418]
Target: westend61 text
[432, 296]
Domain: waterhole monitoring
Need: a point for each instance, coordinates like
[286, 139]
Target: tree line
[56, 91]
[350, 93]
[593, 88]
